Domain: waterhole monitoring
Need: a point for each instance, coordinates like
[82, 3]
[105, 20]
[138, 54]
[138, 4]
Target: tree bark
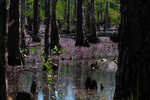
[106, 19]
[68, 16]
[54, 27]
[75, 8]
[80, 35]
[132, 77]
[91, 22]
[93, 37]
[36, 25]
[87, 18]
[23, 24]
[47, 29]
[3, 40]
[101, 11]
[14, 56]
[23, 12]
[98, 22]
[65, 10]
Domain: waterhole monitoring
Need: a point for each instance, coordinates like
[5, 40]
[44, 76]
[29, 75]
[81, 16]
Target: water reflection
[40, 95]
[72, 77]
[70, 83]
[69, 95]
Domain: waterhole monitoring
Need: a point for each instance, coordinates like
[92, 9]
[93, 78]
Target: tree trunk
[106, 19]
[36, 26]
[47, 29]
[98, 22]
[87, 31]
[93, 37]
[23, 23]
[80, 35]
[91, 22]
[24, 96]
[3, 40]
[101, 12]
[65, 10]
[75, 7]
[68, 16]
[23, 12]
[132, 77]
[54, 27]
[14, 56]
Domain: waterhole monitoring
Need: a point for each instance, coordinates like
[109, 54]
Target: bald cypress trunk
[47, 29]
[132, 77]
[75, 7]
[3, 93]
[91, 22]
[68, 16]
[65, 10]
[87, 18]
[80, 35]
[36, 26]
[93, 36]
[54, 27]
[106, 19]
[14, 56]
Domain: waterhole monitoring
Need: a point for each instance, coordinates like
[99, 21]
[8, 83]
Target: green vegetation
[100, 6]
[29, 9]
[113, 10]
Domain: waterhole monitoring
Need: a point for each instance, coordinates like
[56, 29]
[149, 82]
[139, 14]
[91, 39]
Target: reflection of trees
[45, 88]
[54, 75]
[78, 70]
[13, 85]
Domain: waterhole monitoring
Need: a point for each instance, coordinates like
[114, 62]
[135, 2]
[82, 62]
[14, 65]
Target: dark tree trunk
[23, 12]
[3, 16]
[98, 21]
[68, 16]
[65, 10]
[87, 17]
[80, 35]
[101, 13]
[132, 77]
[23, 23]
[47, 29]
[36, 26]
[91, 22]
[23, 32]
[93, 37]
[24, 96]
[106, 19]
[14, 56]
[75, 8]
[54, 27]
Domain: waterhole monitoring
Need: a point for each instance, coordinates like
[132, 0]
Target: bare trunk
[80, 36]
[54, 27]
[91, 22]
[132, 77]
[14, 56]
[3, 40]
[65, 10]
[36, 26]
[68, 16]
[47, 29]
[106, 19]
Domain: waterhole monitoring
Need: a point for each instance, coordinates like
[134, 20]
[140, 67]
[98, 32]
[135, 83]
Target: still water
[72, 75]
[70, 84]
